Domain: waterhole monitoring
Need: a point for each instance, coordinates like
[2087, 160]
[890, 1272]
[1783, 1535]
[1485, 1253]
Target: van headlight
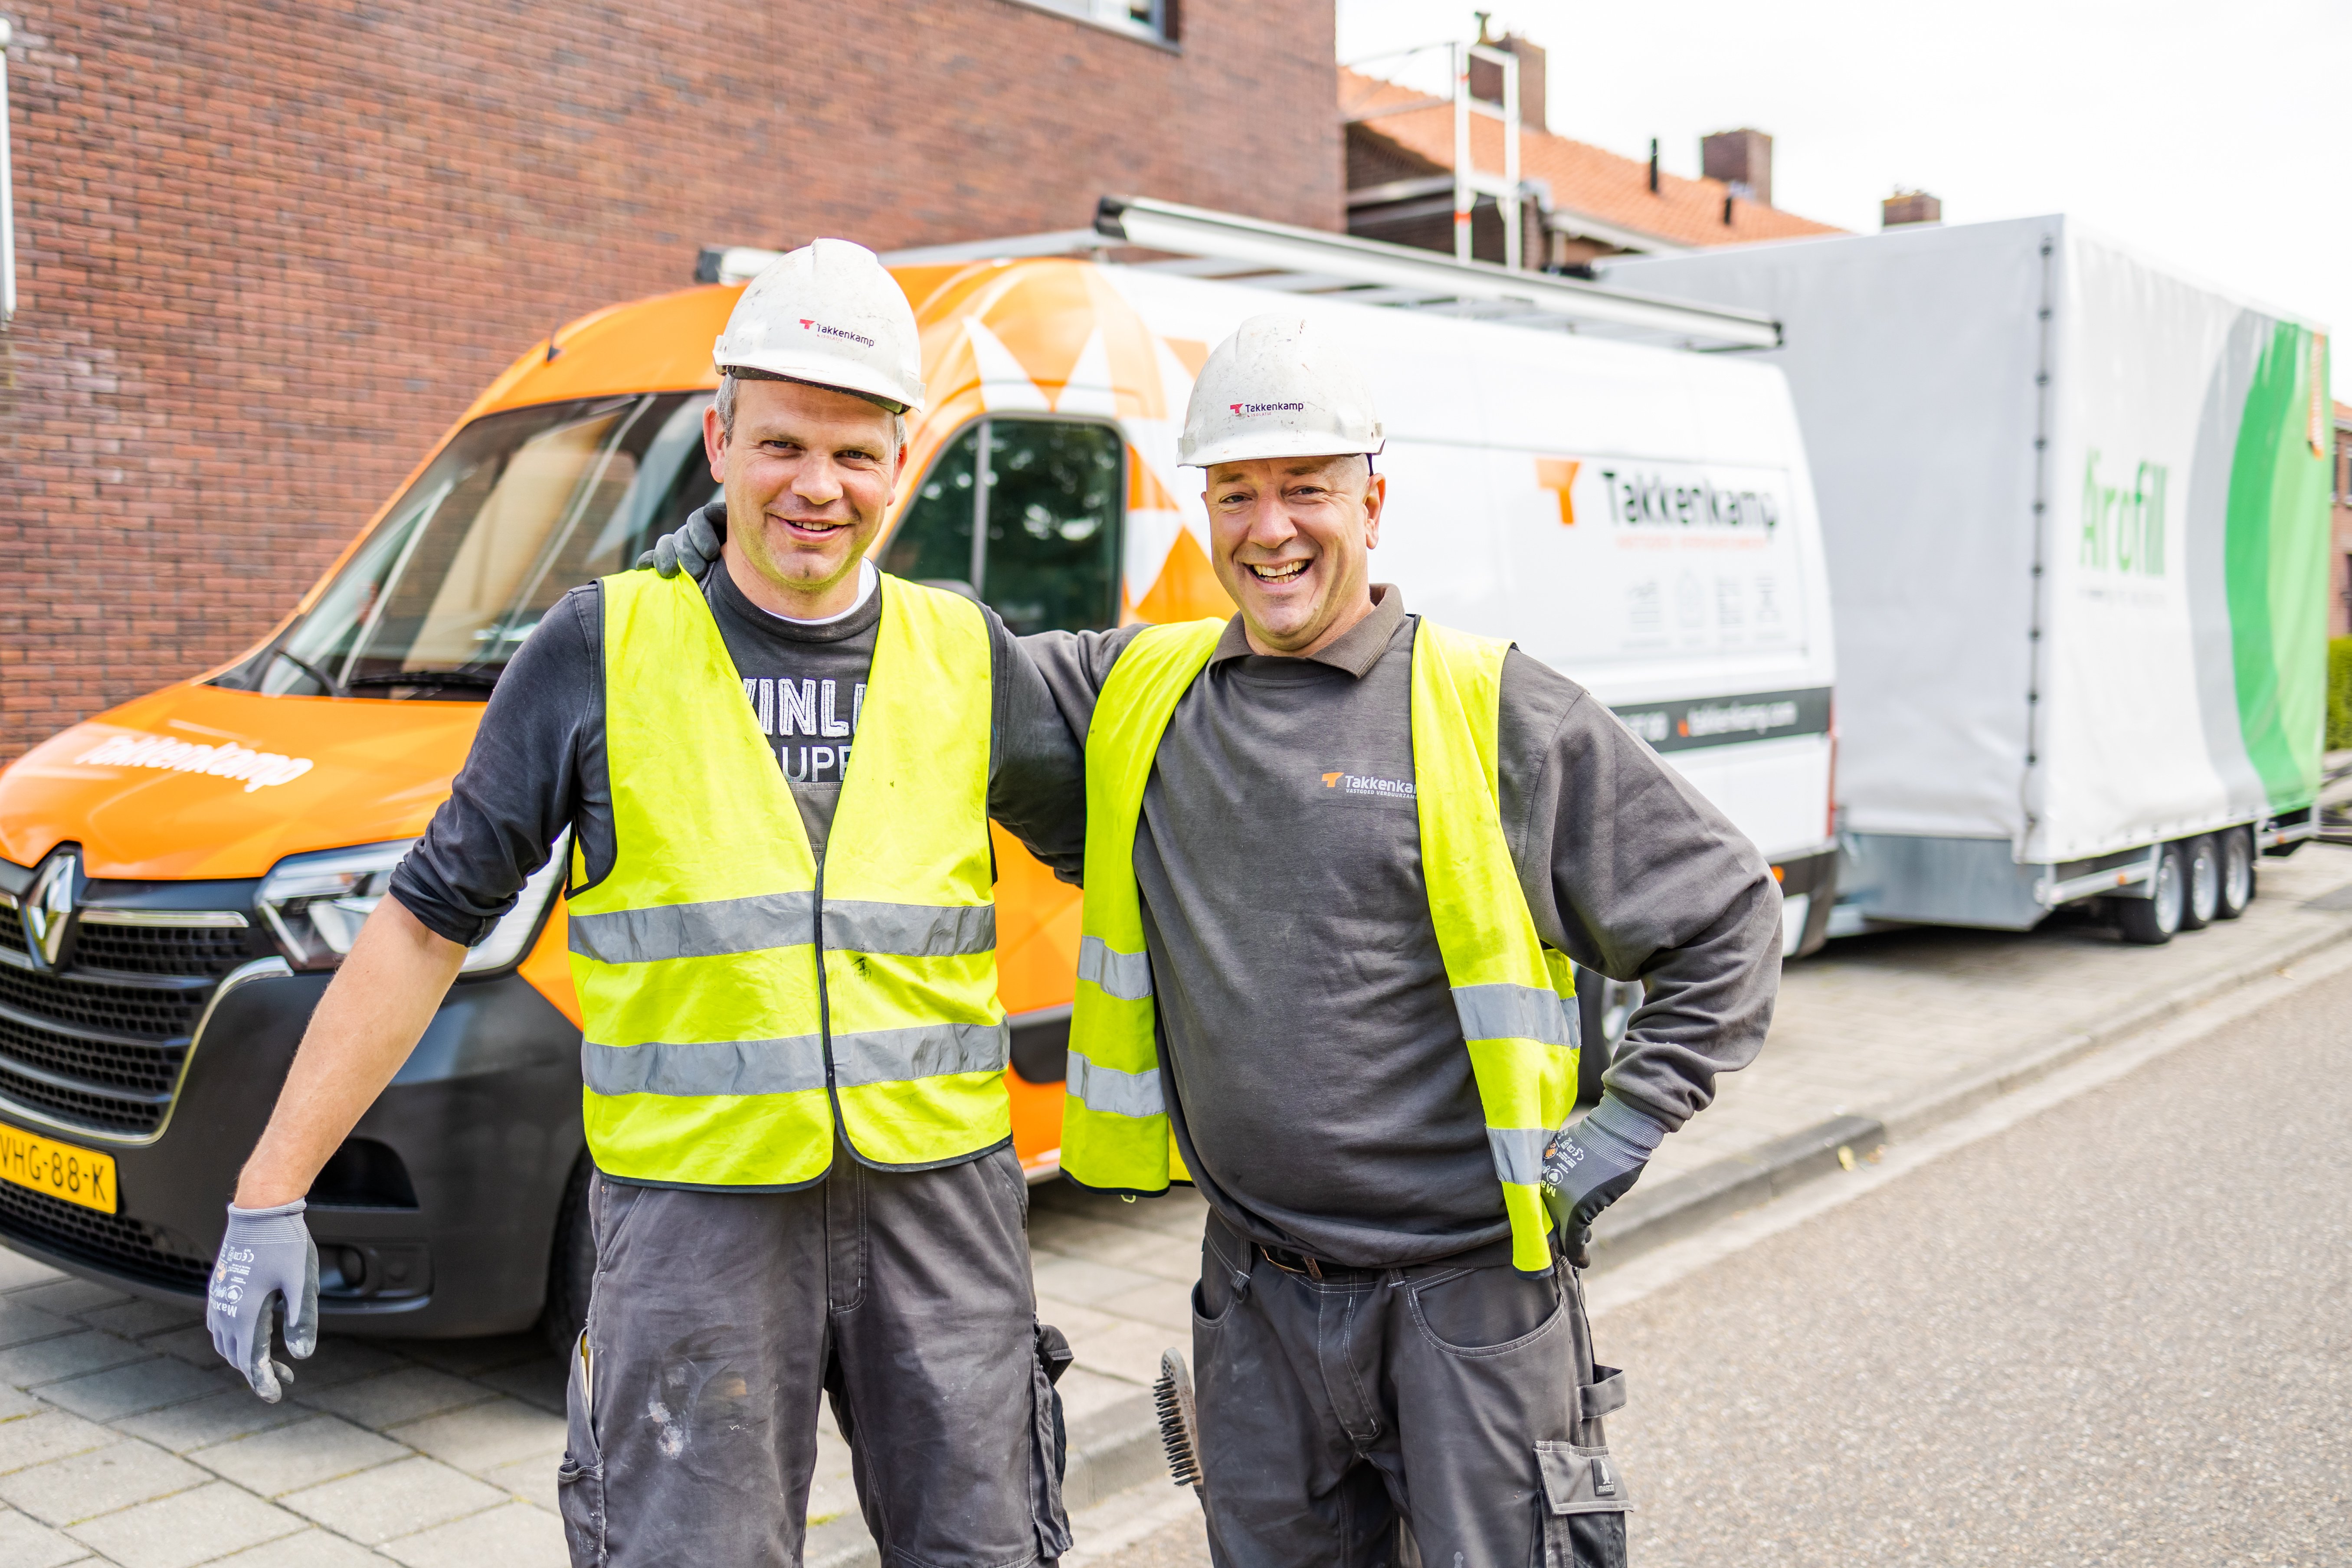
[316, 903]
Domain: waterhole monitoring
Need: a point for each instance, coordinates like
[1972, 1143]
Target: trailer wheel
[2154, 919]
[2237, 873]
[572, 1269]
[1604, 1008]
[2201, 857]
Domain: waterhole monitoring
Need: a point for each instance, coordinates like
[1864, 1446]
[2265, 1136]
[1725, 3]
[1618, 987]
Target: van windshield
[521, 508]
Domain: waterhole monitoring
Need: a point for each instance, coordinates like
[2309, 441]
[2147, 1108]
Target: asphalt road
[2118, 1332]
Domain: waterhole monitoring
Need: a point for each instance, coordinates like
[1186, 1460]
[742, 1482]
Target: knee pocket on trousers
[579, 1479]
[1582, 1504]
[1049, 1448]
[1487, 1312]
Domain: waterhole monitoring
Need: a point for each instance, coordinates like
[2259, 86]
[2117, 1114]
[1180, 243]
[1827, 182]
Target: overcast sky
[2209, 135]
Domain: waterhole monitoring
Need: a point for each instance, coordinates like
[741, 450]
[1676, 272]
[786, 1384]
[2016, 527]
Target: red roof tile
[1584, 179]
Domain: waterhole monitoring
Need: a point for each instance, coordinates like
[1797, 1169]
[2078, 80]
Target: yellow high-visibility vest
[733, 991]
[1515, 998]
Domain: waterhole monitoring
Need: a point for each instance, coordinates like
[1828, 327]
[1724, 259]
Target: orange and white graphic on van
[1168, 577]
[1056, 337]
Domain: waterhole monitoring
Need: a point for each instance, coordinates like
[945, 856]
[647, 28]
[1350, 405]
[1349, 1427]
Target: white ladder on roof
[1196, 242]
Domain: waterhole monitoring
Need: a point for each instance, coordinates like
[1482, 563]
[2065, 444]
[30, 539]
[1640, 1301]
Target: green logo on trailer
[2124, 527]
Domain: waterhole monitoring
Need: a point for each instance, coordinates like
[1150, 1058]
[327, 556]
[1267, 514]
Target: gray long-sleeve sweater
[1317, 1082]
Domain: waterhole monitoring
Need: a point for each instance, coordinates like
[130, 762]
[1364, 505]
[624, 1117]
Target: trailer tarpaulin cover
[1978, 399]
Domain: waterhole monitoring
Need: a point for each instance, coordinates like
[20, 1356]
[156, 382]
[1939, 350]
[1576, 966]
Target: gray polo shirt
[1316, 1073]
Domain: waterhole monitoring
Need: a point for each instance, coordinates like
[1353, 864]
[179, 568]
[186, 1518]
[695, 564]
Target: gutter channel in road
[1650, 1219]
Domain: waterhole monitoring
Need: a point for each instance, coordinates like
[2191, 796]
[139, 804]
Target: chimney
[1909, 208]
[1740, 159]
[1487, 79]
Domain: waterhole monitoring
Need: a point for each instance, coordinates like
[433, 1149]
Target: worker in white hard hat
[794, 1051]
[1339, 860]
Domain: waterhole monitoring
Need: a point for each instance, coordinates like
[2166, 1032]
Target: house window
[1027, 513]
[1154, 19]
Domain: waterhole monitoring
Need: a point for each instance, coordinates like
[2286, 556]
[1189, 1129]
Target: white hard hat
[830, 314]
[1279, 387]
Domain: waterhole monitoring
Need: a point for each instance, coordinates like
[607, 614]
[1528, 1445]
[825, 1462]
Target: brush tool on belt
[1180, 1425]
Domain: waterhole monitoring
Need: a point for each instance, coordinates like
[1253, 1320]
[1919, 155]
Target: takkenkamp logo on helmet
[1246, 409]
[809, 324]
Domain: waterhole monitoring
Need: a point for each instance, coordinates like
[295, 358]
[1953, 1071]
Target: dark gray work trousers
[1464, 1400]
[718, 1318]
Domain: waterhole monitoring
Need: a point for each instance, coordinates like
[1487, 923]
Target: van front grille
[152, 1013]
[130, 1067]
[111, 1241]
[201, 953]
[100, 1044]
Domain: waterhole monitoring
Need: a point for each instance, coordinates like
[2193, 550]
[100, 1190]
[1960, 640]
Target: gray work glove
[691, 547]
[265, 1257]
[1592, 1163]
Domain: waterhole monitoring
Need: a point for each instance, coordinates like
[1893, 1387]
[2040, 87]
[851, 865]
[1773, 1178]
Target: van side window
[1027, 511]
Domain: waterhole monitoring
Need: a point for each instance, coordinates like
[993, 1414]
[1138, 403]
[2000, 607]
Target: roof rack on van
[1199, 243]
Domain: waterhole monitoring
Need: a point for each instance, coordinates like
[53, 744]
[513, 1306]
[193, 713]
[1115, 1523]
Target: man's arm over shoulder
[516, 792]
[1046, 684]
[1631, 872]
[1037, 774]
[1074, 666]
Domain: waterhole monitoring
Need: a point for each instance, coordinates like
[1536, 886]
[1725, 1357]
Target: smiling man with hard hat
[794, 1054]
[1338, 860]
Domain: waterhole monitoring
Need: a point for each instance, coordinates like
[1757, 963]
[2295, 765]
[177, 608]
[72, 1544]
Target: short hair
[725, 402]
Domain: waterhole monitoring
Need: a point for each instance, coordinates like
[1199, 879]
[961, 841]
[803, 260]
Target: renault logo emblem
[48, 908]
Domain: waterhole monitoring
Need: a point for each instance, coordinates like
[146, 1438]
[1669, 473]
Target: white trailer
[2075, 509]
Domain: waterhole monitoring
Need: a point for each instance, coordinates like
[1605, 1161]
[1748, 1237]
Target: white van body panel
[1640, 519]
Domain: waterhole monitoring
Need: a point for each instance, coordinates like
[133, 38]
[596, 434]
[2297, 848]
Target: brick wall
[267, 251]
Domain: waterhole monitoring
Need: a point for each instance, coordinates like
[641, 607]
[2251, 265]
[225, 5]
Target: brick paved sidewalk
[123, 1440]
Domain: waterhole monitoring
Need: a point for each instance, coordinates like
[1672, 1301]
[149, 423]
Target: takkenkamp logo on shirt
[1364, 787]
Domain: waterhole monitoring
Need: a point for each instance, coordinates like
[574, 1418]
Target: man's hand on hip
[268, 1256]
[1592, 1163]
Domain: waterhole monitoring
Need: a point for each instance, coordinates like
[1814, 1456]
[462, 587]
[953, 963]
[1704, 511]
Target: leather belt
[1312, 1268]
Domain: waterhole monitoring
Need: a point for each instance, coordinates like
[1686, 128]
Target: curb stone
[1118, 1447]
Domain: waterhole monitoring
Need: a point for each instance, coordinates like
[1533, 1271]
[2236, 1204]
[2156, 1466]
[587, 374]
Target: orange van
[180, 876]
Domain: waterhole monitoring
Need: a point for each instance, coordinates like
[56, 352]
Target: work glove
[265, 1257]
[1590, 1164]
[691, 547]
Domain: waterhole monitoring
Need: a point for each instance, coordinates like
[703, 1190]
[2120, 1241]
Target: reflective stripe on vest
[1515, 999]
[1114, 1119]
[711, 961]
